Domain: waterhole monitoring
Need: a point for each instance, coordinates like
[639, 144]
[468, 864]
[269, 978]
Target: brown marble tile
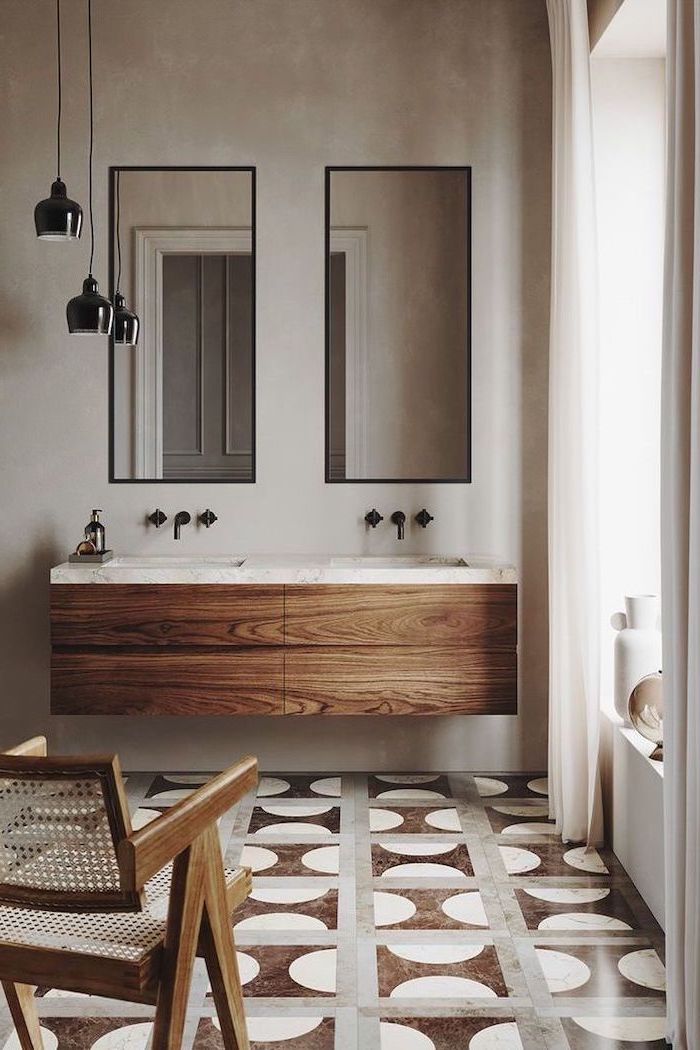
[453, 861]
[580, 1037]
[394, 969]
[260, 819]
[529, 812]
[185, 782]
[601, 970]
[576, 911]
[535, 859]
[449, 1033]
[513, 785]
[296, 785]
[80, 1033]
[420, 783]
[322, 909]
[322, 1037]
[282, 968]
[277, 858]
[434, 909]
[413, 820]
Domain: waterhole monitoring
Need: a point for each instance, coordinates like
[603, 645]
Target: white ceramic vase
[637, 646]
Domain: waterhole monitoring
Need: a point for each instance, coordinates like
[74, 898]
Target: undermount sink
[398, 561]
[174, 561]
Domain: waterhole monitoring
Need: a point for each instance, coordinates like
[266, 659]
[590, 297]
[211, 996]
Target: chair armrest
[147, 851]
[35, 747]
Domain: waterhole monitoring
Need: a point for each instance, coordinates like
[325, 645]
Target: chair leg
[180, 947]
[220, 953]
[20, 999]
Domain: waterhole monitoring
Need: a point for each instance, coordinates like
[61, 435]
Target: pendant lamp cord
[58, 118]
[119, 240]
[92, 135]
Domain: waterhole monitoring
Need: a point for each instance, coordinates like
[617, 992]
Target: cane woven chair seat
[128, 936]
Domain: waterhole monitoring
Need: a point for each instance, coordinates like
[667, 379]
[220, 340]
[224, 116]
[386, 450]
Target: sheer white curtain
[574, 671]
[680, 525]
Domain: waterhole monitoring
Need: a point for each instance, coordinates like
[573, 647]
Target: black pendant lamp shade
[58, 218]
[89, 313]
[126, 323]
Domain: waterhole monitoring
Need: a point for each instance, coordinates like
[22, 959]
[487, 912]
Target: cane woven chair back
[61, 820]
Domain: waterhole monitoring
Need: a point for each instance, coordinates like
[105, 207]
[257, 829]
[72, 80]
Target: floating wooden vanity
[281, 648]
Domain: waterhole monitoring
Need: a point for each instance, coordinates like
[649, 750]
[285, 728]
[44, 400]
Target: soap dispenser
[95, 532]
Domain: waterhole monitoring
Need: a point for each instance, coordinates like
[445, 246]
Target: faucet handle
[207, 518]
[373, 517]
[157, 518]
[424, 518]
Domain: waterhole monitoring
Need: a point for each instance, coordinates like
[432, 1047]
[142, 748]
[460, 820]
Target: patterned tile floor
[424, 912]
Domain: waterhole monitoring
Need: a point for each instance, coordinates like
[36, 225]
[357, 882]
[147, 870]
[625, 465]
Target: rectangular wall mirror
[182, 244]
[398, 323]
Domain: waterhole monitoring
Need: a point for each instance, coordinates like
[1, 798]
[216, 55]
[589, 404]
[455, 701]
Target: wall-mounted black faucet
[399, 519]
[157, 518]
[424, 518]
[207, 518]
[373, 517]
[181, 518]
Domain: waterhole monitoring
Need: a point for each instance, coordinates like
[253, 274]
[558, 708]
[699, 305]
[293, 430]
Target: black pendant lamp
[58, 218]
[90, 313]
[126, 323]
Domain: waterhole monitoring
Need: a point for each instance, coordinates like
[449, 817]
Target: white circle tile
[277, 1029]
[408, 778]
[529, 828]
[316, 970]
[585, 860]
[62, 993]
[540, 785]
[130, 1037]
[441, 987]
[418, 849]
[393, 1036]
[516, 860]
[175, 795]
[248, 967]
[268, 786]
[329, 786]
[287, 895]
[568, 896]
[408, 793]
[487, 786]
[325, 859]
[466, 907]
[303, 810]
[562, 972]
[436, 954]
[49, 1039]
[142, 817]
[503, 1036]
[624, 1029]
[423, 871]
[644, 967]
[258, 858]
[281, 920]
[444, 820]
[522, 811]
[390, 908]
[384, 819]
[293, 827]
[582, 920]
[188, 779]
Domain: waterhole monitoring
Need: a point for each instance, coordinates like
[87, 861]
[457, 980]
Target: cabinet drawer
[166, 614]
[224, 682]
[353, 614]
[400, 680]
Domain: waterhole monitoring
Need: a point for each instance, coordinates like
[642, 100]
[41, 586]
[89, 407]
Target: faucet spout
[181, 518]
[399, 520]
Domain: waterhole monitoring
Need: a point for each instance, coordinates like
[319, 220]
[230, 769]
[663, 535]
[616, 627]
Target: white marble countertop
[290, 569]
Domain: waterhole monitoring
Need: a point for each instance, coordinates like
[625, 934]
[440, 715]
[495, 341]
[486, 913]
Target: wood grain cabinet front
[272, 649]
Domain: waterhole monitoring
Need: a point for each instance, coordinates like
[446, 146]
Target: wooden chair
[88, 905]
